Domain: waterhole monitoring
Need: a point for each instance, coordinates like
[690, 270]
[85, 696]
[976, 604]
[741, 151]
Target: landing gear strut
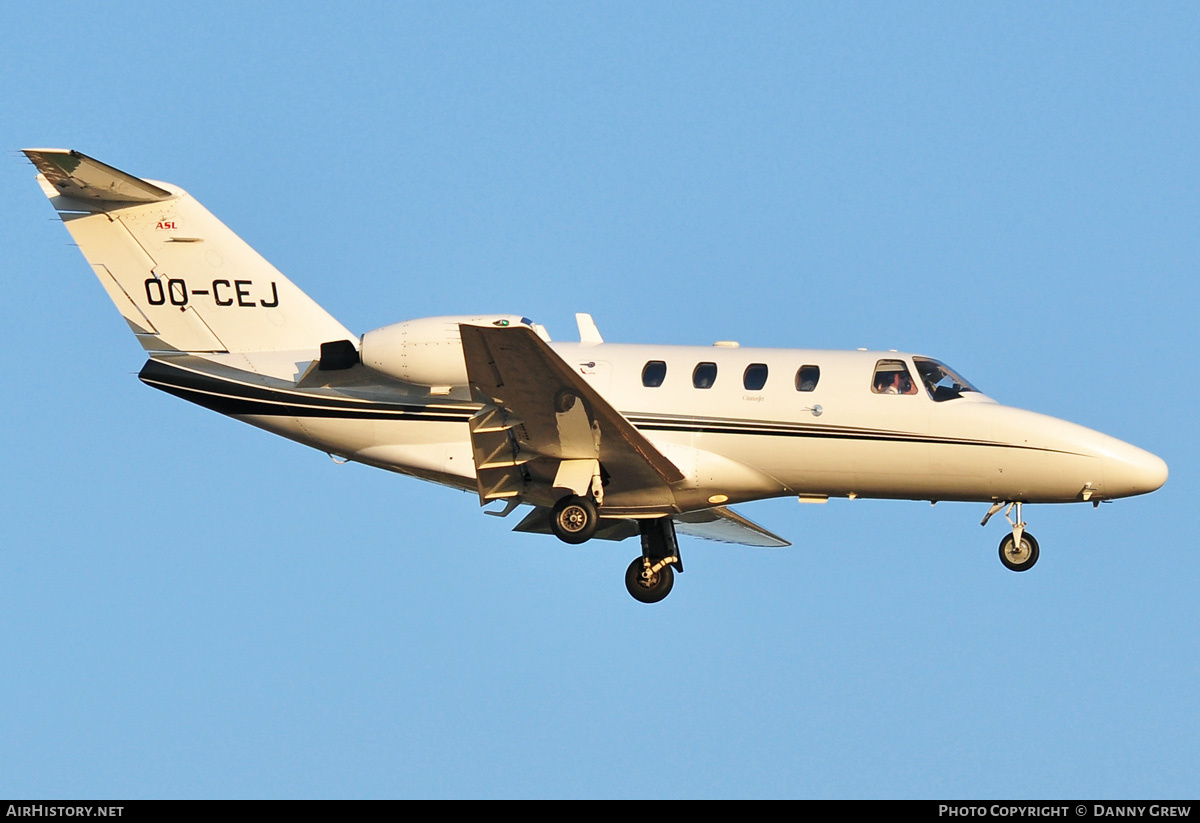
[650, 577]
[1019, 550]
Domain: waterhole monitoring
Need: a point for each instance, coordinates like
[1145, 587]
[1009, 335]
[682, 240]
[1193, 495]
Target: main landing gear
[650, 577]
[574, 519]
[1019, 550]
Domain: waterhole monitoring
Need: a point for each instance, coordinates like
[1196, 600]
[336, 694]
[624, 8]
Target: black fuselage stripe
[227, 404]
[241, 399]
[875, 437]
[236, 398]
[814, 433]
[161, 375]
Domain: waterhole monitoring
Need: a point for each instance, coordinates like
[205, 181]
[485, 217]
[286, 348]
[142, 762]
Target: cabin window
[653, 374]
[807, 377]
[940, 380]
[755, 377]
[705, 375]
[892, 377]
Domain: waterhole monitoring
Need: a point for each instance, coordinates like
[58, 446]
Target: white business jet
[602, 440]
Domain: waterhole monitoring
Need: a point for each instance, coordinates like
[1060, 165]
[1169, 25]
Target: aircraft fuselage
[837, 438]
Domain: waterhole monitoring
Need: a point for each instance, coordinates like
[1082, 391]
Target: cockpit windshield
[942, 382]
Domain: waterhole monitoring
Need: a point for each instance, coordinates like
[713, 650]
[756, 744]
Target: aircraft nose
[1129, 470]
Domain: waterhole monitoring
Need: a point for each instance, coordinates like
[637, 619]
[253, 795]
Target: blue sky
[193, 608]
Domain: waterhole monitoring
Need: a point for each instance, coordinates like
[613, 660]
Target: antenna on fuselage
[588, 333]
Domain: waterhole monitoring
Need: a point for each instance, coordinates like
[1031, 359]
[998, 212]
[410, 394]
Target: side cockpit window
[807, 377]
[892, 377]
[654, 373]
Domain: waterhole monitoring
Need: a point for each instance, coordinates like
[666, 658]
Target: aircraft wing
[543, 427]
[721, 524]
[615, 529]
[727, 526]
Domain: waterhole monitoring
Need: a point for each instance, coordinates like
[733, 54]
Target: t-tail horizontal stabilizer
[76, 175]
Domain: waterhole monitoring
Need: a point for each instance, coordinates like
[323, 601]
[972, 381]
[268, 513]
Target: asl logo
[165, 224]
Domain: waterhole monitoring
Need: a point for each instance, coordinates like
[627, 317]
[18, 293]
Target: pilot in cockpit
[893, 382]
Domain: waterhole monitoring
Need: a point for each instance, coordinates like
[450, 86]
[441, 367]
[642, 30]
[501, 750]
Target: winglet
[76, 175]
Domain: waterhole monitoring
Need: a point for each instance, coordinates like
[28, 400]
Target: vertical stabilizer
[181, 279]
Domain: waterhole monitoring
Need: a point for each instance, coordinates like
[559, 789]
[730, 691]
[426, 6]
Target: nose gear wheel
[1019, 557]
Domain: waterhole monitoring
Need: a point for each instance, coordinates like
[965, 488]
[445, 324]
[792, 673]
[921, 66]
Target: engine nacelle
[427, 351]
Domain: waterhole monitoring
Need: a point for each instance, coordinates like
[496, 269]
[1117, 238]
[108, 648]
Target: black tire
[574, 519]
[1021, 560]
[564, 401]
[652, 590]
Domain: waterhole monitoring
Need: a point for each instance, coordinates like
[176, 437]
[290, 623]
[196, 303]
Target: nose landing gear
[1019, 550]
[1019, 557]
